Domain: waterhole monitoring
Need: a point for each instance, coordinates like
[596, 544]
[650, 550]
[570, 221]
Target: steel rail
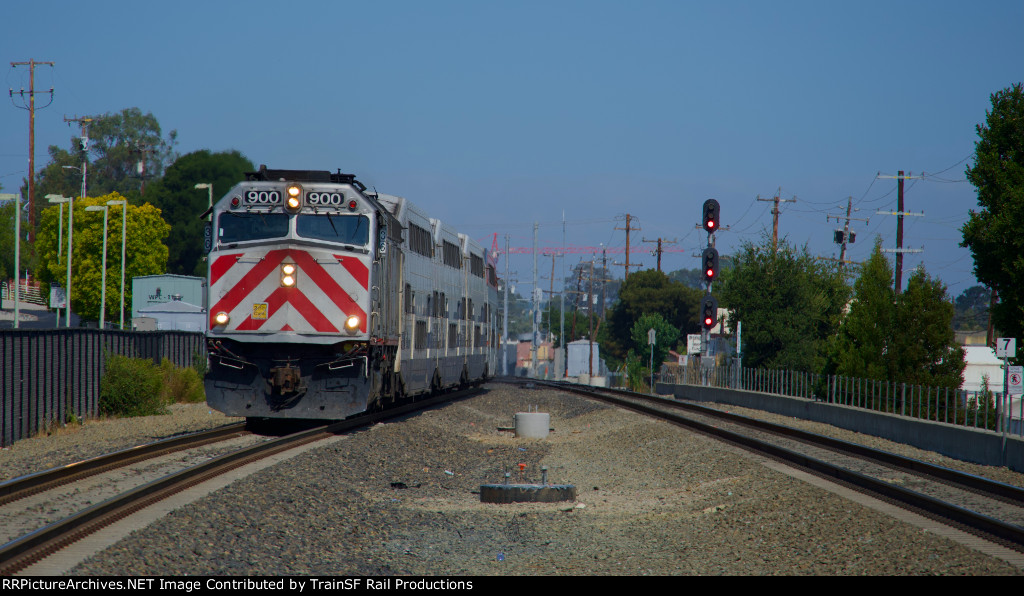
[972, 482]
[29, 484]
[28, 549]
[1010, 534]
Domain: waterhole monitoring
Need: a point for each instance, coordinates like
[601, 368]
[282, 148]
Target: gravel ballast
[403, 498]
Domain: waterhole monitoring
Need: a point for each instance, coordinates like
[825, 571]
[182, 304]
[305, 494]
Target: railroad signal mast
[709, 271]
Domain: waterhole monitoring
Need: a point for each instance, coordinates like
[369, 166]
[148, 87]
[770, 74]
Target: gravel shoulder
[403, 499]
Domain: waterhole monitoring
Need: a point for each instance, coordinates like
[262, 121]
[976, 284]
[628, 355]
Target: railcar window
[452, 255]
[239, 227]
[420, 242]
[346, 229]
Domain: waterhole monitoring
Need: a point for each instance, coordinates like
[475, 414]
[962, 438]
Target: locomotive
[326, 300]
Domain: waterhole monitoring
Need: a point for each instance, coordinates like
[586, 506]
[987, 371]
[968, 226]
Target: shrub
[200, 363]
[131, 387]
[637, 374]
[181, 385]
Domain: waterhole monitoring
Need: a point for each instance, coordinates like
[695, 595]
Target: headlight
[221, 318]
[288, 275]
[352, 324]
[293, 200]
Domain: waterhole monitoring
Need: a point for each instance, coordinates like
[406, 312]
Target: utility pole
[143, 150]
[536, 307]
[590, 310]
[604, 281]
[504, 319]
[561, 332]
[579, 283]
[658, 250]
[847, 236]
[628, 229]
[31, 107]
[775, 216]
[899, 213]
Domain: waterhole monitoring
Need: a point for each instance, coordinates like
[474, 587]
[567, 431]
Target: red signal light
[711, 214]
[709, 312]
[710, 259]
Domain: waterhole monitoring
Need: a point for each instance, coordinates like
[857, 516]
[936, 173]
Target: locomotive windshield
[242, 226]
[346, 229]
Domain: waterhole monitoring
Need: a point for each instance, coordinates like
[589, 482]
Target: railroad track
[39, 544]
[983, 507]
[24, 486]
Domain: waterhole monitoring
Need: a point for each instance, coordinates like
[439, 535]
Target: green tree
[924, 347]
[647, 292]
[145, 251]
[118, 143]
[665, 337]
[790, 305]
[577, 324]
[993, 233]
[520, 318]
[862, 347]
[972, 309]
[181, 203]
[7, 210]
[907, 338]
[590, 283]
[691, 278]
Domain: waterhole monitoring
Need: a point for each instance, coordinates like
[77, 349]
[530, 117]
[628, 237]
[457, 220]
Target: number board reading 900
[262, 197]
[325, 198]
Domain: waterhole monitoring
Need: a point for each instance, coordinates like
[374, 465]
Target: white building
[982, 361]
[172, 316]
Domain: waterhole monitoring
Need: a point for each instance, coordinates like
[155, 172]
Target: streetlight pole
[17, 249]
[67, 290]
[124, 229]
[71, 244]
[103, 274]
[209, 187]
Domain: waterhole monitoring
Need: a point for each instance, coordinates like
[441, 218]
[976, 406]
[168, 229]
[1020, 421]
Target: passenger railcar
[326, 300]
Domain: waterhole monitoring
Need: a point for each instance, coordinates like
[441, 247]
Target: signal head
[708, 312]
[709, 264]
[711, 213]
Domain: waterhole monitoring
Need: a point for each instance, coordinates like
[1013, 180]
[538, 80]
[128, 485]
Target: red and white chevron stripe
[330, 288]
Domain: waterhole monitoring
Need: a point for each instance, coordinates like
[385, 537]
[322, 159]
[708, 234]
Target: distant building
[579, 359]
[153, 290]
[171, 316]
[982, 361]
[524, 360]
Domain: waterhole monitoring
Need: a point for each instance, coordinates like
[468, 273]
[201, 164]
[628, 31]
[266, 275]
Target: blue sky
[495, 115]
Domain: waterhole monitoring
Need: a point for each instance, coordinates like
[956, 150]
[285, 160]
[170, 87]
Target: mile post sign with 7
[1006, 347]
